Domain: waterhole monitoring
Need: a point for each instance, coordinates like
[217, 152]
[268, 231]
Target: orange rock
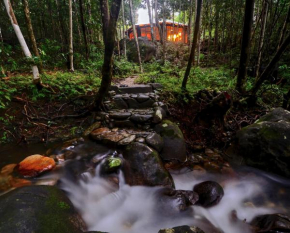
[8, 169]
[35, 164]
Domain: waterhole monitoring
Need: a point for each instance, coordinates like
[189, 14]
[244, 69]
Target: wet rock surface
[210, 193]
[172, 202]
[265, 144]
[144, 167]
[271, 223]
[174, 144]
[34, 165]
[38, 209]
[181, 229]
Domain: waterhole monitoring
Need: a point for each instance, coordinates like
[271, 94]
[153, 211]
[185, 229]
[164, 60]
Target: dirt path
[129, 81]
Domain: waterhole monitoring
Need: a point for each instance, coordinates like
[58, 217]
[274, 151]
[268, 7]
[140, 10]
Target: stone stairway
[135, 122]
[137, 107]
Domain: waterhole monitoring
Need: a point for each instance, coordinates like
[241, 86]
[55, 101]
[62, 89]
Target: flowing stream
[110, 205]
[136, 209]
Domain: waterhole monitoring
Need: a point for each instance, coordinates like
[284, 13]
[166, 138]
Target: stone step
[136, 88]
[125, 136]
[132, 101]
[134, 118]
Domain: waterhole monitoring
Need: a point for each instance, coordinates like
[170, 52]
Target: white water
[134, 209]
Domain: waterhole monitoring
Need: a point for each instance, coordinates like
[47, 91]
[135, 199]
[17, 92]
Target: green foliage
[200, 78]
[61, 85]
[284, 71]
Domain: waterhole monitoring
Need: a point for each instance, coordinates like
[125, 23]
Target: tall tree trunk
[84, 29]
[135, 34]
[90, 25]
[124, 35]
[1, 37]
[157, 22]
[25, 49]
[198, 41]
[150, 20]
[262, 36]
[109, 19]
[284, 29]
[61, 28]
[31, 33]
[190, 23]
[173, 27]
[271, 65]
[245, 49]
[53, 24]
[216, 31]
[194, 42]
[164, 32]
[71, 52]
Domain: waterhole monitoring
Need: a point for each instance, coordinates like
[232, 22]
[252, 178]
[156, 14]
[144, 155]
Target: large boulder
[38, 209]
[147, 50]
[144, 167]
[265, 144]
[174, 148]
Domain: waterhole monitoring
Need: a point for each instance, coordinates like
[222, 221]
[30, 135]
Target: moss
[114, 162]
[270, 134]
[56, 219]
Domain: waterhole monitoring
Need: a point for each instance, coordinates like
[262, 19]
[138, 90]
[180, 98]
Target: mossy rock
[182, 229]
[42, 209]
[144, 167]
[174, 145]
[147, 50]
[265, 144]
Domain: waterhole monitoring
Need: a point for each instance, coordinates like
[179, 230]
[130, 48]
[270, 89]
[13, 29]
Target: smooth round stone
[141, 140]
[210, 193]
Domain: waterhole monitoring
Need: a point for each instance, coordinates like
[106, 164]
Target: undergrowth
[60, 85]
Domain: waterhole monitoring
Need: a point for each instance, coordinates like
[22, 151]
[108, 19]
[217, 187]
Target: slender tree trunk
[190, 23]
[198, 41]
[71, 52]
[53, 24]
[284, 29]
[80, 39]
[157, 22]
[164, 32]
[173, 27]
[31, 33]
[84, 29]
[135, 34]
[245, 49]
[10, 12]
[150, 20]
[110, 19]
[61, 28]
[216, 31]
[90, 25]
[262, 36]
[194, 42]
[124, 35]
[271, 65]
[1, 37]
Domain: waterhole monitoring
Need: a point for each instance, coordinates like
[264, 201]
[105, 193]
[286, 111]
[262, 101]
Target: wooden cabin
[176, 33]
